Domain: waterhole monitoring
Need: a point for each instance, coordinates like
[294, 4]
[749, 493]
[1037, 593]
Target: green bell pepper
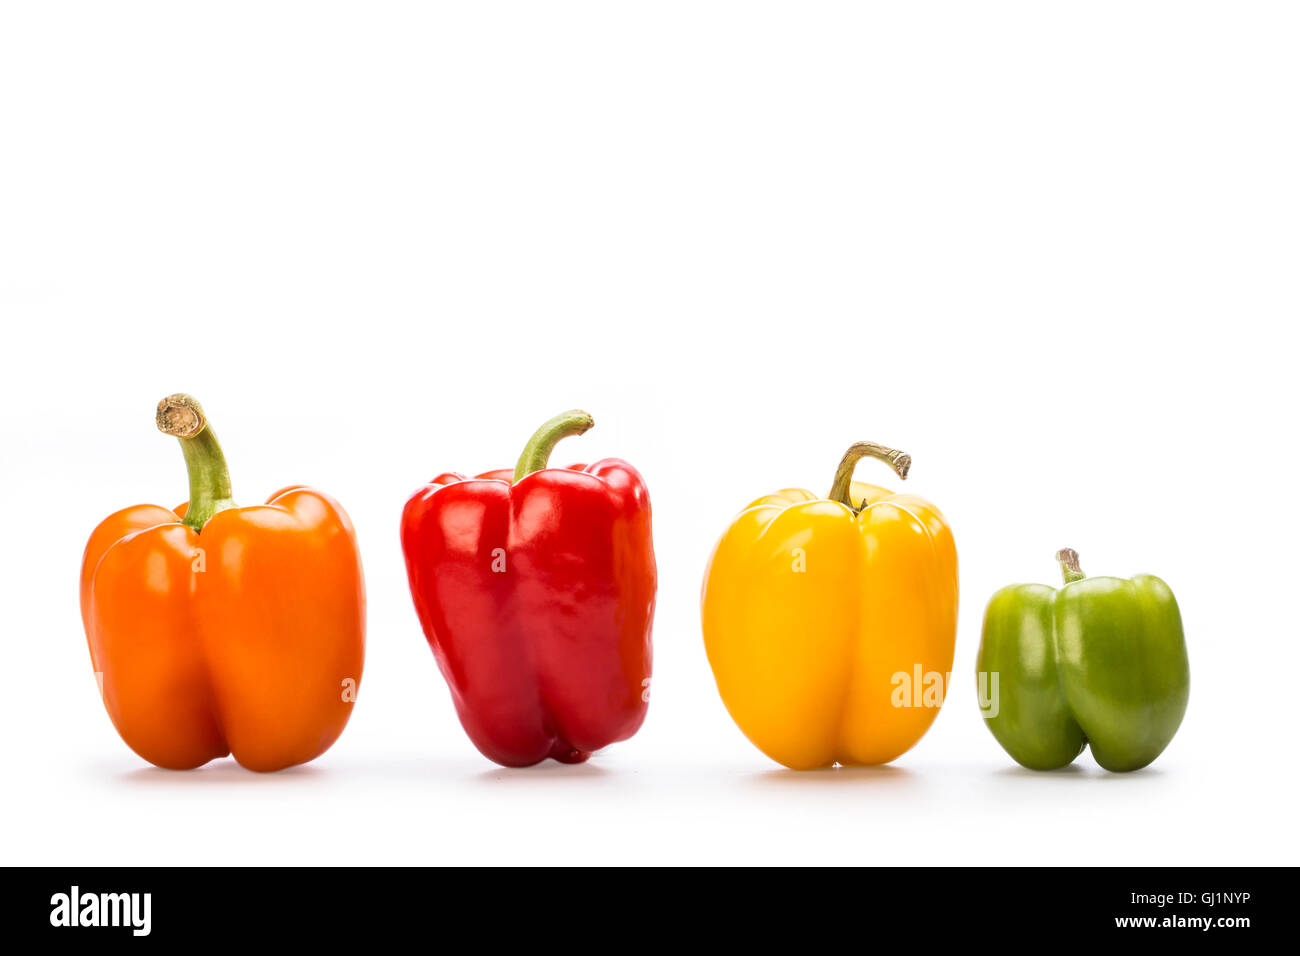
[1101, 662]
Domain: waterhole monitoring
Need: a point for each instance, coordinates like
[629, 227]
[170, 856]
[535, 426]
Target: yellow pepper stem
[899, 461]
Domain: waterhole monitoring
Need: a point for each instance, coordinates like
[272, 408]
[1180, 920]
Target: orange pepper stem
[538, 450]
[1070, 569]
[181, 416]
[899, 461]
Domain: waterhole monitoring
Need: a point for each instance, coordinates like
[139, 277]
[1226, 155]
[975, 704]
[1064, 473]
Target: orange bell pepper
[219, 630]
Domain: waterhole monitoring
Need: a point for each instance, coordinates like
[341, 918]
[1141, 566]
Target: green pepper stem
[1070, 569]
[181, 416]
[899, 461]
[538, 450]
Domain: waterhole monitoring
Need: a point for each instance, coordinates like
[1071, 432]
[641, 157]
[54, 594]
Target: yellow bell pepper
[830, 622]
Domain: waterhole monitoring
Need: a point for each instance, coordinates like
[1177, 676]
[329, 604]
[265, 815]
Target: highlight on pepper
[1101, 663]
[535, 587]
[830, 622]
[217, 630]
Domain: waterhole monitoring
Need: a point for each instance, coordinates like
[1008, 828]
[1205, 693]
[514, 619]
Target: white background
[1048, 249]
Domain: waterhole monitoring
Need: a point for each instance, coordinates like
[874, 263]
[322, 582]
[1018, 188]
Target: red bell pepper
[536, 591]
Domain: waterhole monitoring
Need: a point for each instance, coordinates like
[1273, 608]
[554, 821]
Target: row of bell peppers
[829, 621]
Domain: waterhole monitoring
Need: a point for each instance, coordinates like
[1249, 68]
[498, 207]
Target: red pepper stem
[899, 461]
[1070, 569]
[181, 416]
[538, 450]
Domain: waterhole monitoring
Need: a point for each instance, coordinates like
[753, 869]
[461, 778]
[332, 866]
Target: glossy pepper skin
[536, 591]
[830, 622]
[1102, 662]
[224, 630]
